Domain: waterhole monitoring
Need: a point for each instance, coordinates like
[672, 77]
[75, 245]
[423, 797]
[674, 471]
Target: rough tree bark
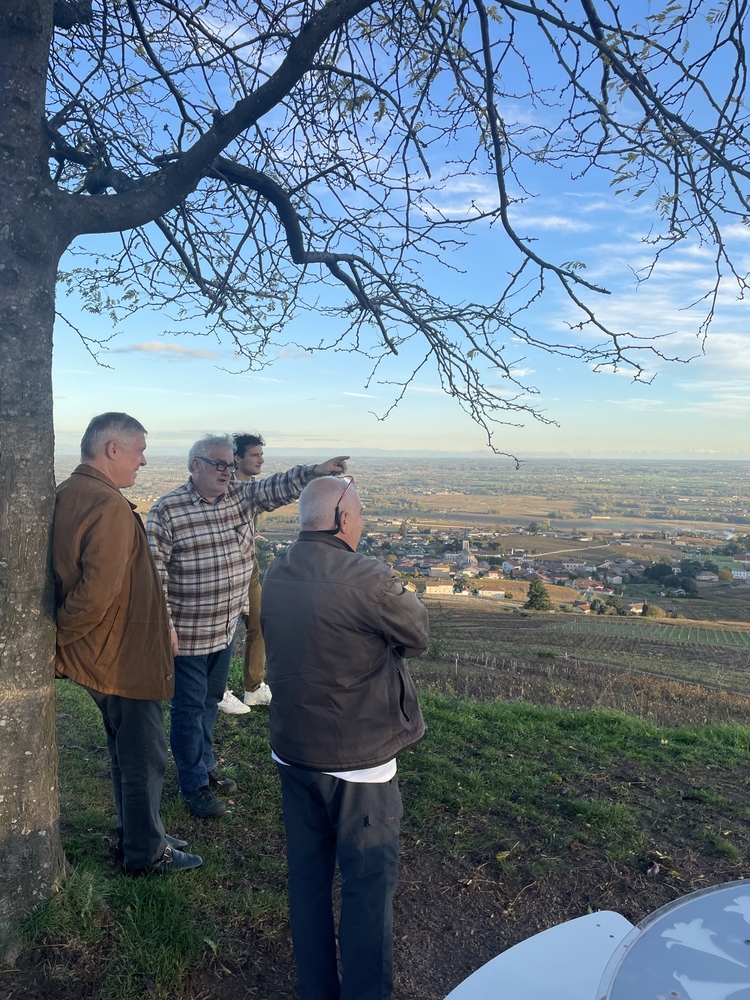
[32, 857]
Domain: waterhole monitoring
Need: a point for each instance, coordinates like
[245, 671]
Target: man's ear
[110, 449]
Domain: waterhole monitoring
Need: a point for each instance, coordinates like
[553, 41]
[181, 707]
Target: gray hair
[317, 502]
[120, 427]
[207, 442]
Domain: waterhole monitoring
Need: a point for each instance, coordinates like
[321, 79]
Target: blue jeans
[199, 684]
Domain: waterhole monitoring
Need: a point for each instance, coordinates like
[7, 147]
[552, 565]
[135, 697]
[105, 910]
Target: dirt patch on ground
[451, 916]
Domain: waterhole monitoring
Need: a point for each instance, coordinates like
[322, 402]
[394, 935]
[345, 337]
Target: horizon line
[165, 451]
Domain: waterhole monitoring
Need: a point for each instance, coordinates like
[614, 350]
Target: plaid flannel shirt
[205, 553]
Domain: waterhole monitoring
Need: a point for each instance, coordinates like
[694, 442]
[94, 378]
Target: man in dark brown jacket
[113, 634]
[338, 626]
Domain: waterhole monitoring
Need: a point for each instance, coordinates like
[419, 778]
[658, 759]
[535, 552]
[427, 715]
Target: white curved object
[565, 962]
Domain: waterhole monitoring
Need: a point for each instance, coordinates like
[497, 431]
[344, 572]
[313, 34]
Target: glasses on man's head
[219, 466]
[349, 480]
[336, 515]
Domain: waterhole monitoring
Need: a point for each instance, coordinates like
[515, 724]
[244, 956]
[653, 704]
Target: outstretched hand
[333, 467]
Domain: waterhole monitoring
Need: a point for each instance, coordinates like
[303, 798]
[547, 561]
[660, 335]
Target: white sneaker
[232, 705]
[261, 696]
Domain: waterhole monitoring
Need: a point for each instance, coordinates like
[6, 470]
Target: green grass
[76, 912]
[158, 938]
[156, 930]
[485, 765]
[506, 787]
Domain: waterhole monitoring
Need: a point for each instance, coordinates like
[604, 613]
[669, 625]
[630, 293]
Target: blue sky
[181, 386]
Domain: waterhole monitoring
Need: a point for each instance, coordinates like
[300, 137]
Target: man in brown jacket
[338, 626]
[113, 632]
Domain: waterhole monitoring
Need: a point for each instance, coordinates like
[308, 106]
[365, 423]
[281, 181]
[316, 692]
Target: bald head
[317, 502]
[317, 508]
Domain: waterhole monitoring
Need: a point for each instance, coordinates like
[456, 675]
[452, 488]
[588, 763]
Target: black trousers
[138, 761]
[357, 824]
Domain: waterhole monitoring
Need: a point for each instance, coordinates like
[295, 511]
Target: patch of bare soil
[570, 684]
[451, 916]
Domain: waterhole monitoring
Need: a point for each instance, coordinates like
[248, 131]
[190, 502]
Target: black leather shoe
[203, 803]
[171, 842]
[171, 860]
[221, 783]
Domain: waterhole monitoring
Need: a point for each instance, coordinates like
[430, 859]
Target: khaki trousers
[254, 664]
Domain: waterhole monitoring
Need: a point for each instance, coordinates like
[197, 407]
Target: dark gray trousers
[138, 761]
[357, 824]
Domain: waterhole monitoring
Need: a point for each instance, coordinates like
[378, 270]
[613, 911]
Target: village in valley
[601, 536]
[470, 563]
[477, 570]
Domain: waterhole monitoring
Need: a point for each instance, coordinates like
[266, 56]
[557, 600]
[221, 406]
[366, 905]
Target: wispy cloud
[638, 404]
[360, 395]
[588, 204]
[737, 232]
[294, 352]
[263, 378]
[727, 352]
[664, 314]
[726, 397]
[462, 197]
[172, 352]
[729, 386]
[622, 372]
[552, 222]
[729, 408]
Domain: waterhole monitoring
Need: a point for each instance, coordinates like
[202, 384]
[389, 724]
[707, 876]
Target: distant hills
[306, 454]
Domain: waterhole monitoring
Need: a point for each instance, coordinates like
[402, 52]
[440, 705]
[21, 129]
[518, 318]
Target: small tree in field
[254, 161]
[538, 597]
[653, 611]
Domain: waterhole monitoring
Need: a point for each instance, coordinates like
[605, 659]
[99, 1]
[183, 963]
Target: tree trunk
[31, 242]
[30, 849]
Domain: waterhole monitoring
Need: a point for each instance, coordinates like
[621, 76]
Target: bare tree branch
[303, 155]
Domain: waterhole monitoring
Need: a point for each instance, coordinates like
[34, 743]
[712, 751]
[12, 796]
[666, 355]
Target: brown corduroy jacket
[112, 621]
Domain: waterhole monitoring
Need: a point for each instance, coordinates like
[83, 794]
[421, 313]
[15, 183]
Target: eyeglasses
[220, 466]
[336, 516]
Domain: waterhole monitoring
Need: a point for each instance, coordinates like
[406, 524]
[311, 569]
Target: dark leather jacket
[337, 625]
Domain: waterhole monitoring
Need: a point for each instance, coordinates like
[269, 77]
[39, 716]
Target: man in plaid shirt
[201, 536]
